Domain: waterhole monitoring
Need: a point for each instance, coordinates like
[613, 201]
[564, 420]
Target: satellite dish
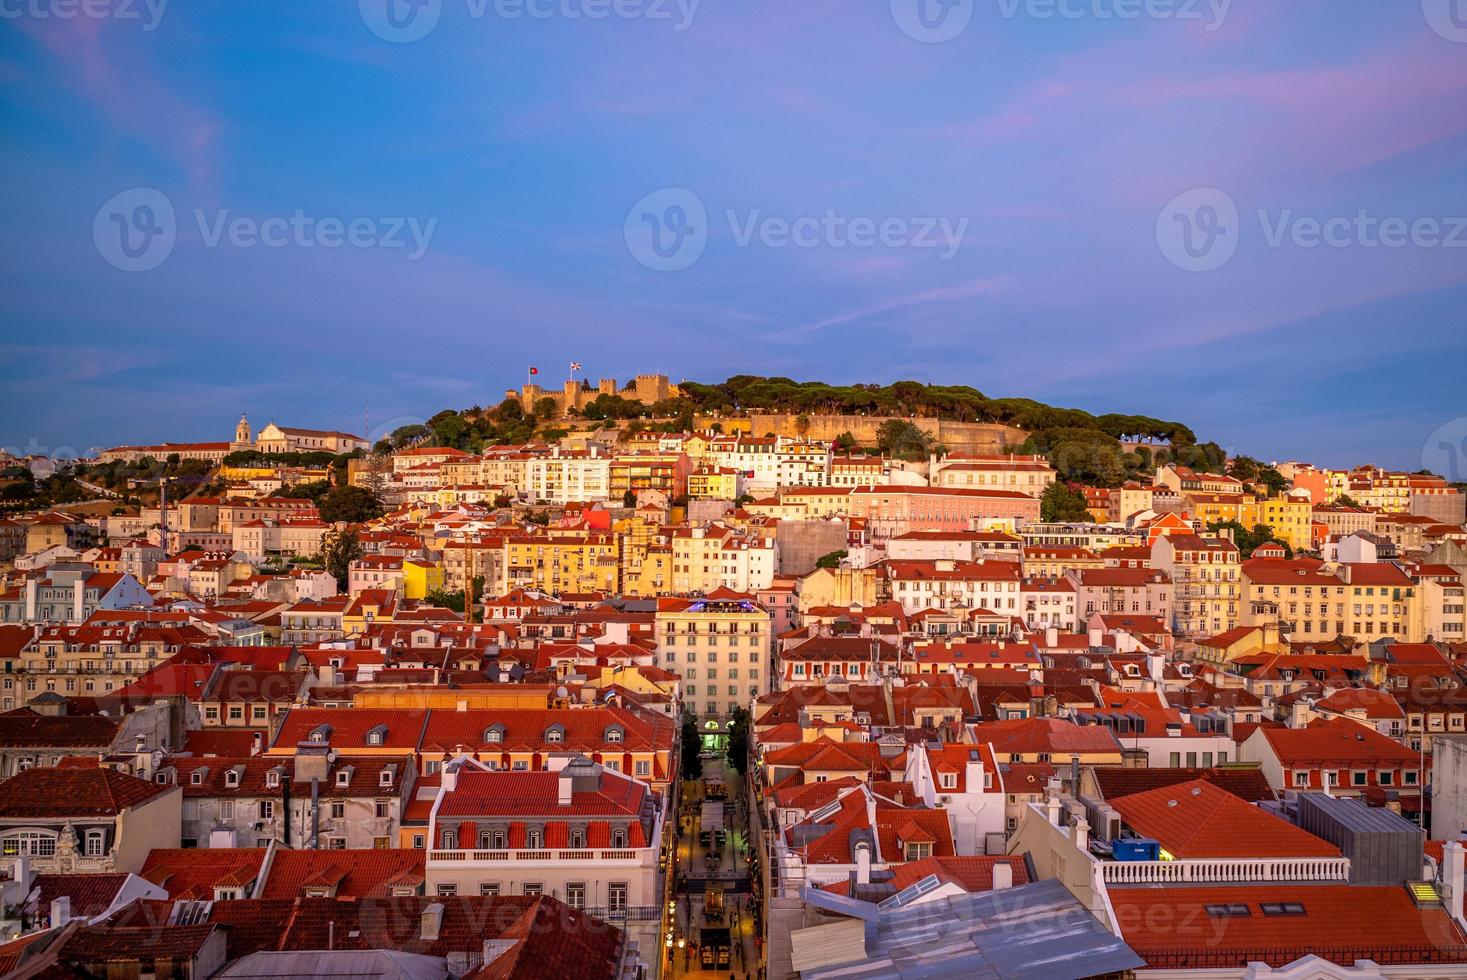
[561, 692]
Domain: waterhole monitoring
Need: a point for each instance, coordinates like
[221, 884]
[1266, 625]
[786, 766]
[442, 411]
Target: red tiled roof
[974, 874]
[58, 793]
[359, 873]
[1198, 820]
[1342, 923]
[195, 872]
[1337, 741]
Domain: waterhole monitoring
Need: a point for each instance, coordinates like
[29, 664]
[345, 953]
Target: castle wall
[970, 437]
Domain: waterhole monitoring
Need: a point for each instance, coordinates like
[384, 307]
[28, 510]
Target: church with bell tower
[244, 438]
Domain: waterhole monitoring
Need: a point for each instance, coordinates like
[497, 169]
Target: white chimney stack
[1454, 861]
[863, 863]
[1003, 875]
[1081, 834]
[61, 911]
[432, 922]
[565, 785]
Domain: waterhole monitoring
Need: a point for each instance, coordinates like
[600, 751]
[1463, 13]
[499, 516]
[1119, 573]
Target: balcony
[1210, 870]
[623, 854]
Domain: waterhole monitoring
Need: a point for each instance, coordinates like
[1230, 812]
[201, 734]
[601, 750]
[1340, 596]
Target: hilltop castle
[575, 395]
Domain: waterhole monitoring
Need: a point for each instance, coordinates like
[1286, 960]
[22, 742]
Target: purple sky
[518, 147]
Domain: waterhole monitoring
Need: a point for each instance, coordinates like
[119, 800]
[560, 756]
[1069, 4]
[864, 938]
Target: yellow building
[714, 483]
[563, 561]
[1206, 578]
[646, 569]
[420, 577]
[1289, 517]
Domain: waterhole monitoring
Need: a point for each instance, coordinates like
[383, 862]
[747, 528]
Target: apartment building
[1206, 581]
[720, 645]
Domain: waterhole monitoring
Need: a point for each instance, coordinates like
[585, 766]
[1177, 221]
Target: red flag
[534, 370]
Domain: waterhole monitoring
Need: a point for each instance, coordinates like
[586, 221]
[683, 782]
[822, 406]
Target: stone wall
[971, 437]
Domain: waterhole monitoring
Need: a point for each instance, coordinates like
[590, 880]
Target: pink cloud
[104, 63]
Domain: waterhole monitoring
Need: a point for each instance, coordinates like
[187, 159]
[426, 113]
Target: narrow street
[714, 924]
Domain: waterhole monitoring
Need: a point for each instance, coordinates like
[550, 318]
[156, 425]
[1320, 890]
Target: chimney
[863, 863]
[1051, 637]
[1081, 835]
[257, 743]
[1052, 808]
[1003, 875]
[1454, 862]
[78, 593]
[1096, 635]
[61, 911]
[31, 589]
[565, 785]
[431, 923]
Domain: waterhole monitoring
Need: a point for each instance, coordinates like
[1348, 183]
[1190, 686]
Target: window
[619, 837]
[1358, 778]
[28, 842]
[338, 810]
[534, 840]
[1282, 908]
[488, 888]
[267, 809]
[616, 896]
[644, 767]
[336, 843]
[1233, 910]
[384, 809]
[226, 809]
[534, 888]
[446, 890]
[575, 894]
[418, 841]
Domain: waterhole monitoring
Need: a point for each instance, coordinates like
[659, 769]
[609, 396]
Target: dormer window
[321, 734]
[197, 776]
[343, 778]
[231, 778]
[385, 779]
[577, 838]
[619, 837]
[535, 839]
[450, 839]
[494, 734]
[377, 735]
[272, 778]
[614, 735]
[555, 735]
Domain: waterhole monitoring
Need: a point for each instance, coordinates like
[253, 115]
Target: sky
[1246, 215]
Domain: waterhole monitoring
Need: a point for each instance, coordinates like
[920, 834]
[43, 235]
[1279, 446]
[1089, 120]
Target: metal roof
[1035, 932]
[364, 964]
